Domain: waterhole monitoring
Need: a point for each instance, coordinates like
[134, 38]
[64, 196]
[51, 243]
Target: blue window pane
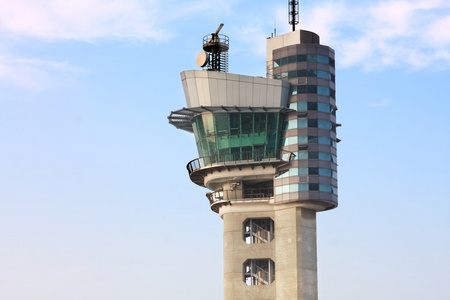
[294, 90]
[303, 187]
[322, 59]
[323, 74]
[302, 171]
[313, 186]
[324, 172]
[292, 74]
[311, 57]
[302, 89]
[292, 59]
[301, 57]
[302, 123]
[323, 90]
[324, 156]
[283, 61]
[277, 63]
[302, 155]
[323, 107]
[324, 124]
[313, 139]
[303, 140]
[312, 123]
[313, 155]
[302, 106]
[334, 174]
[312, 89]
[324, 141]
[325, 188]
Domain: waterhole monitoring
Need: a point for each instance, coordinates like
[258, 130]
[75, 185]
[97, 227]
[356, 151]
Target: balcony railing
[249, 195]
[240, 157]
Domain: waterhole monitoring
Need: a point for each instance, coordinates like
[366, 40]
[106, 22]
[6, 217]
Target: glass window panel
[313, 171]
[302, 106]
[325, 188]
[301, 89]
[293, 188]
[331, 62]
[333, 158]
[246, 122]
[292, 59]
[234, 123]
[324, 172]
[333, 78]
[302, 123]
[278, 190]
[292, 124]
[292, 74]
[302, 171]
[334, 190]
[323, 90]
[301, 73]
[259, 123]
[322, 59]
[310, 57]
[324, 156]
[312, 89]
[311, 73]
[303, 140]
[323, 74]
[324, 140]
[312, 123]
[276, 63]
[302, 155]
[323, 107]
[312, 105]
[283, 61]
[313, 155]
[294, 172]
[294, 90]
[293, 105]
[313, 139]
[303, 187]
[301, 57]
[313, 186]
[285, 189]
[221, 122]
[324, 124]
[334, 174]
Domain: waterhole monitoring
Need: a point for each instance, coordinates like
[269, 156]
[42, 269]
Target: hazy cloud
[385, 34]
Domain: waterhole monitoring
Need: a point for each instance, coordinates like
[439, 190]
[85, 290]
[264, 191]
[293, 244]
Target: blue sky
[96, 202]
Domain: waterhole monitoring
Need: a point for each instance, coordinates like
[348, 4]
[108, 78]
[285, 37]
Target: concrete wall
[208, 88]
[293, 249]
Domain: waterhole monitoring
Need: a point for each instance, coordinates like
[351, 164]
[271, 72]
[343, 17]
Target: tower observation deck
[267, 153]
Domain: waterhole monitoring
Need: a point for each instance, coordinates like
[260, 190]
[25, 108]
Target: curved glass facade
[238, 136]
[303, 57]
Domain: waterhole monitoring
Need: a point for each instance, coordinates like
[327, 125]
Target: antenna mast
[293, 13]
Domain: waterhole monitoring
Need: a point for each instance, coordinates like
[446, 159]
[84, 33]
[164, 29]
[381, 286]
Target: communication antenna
[214, 56]
[293, 13]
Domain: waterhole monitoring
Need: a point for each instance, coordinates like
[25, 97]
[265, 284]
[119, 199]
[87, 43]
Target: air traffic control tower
[267, 153]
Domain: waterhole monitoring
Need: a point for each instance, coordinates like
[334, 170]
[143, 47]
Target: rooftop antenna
[293, 13]
[214, 56]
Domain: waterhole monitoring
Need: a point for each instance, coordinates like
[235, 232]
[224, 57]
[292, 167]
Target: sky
[96, 202]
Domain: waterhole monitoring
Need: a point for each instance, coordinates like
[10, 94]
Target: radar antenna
[293, 13]
[215, 54]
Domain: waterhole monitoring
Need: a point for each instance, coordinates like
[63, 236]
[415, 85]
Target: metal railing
[256, 194]
[240, 157]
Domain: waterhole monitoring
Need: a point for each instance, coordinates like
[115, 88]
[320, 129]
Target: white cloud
[34, 74]
[81, 19]
[386, 34]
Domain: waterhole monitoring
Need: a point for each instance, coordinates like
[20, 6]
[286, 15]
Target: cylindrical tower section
[310, 130]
